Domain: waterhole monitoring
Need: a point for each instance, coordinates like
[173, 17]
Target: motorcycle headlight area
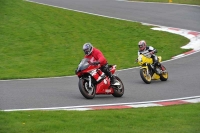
[140, 58]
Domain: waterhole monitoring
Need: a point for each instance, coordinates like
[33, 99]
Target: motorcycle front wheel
[86, 91]
[146, 77]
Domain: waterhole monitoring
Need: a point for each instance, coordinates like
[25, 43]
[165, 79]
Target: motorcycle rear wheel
[118, 89]
[146, 77]
[164, 75]
[86, 91]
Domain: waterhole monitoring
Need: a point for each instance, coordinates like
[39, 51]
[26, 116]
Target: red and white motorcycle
[92, 81]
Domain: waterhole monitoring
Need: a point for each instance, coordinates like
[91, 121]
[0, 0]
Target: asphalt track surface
[63, 91]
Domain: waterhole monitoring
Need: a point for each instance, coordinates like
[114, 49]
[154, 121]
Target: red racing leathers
[97, 55]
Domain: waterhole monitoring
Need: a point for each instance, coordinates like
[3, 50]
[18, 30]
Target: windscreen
[83, 64]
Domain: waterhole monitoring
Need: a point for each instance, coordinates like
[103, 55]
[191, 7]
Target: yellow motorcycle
[147, 70]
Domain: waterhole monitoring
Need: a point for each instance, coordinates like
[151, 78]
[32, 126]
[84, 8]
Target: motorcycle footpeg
[164, 71]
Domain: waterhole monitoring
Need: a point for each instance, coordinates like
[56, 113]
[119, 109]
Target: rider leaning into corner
[143, 49]
[96, 57]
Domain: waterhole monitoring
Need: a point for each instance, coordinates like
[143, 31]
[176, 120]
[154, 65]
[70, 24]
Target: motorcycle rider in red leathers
[96, 57]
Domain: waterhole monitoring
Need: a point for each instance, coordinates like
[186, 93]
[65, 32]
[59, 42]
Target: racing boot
[106, 70]
[156, 67]
[113, 81]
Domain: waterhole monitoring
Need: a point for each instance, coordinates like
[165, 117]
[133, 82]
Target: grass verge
[41, 41]
[169, 119]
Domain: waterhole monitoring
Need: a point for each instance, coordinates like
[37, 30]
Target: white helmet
[142, 44]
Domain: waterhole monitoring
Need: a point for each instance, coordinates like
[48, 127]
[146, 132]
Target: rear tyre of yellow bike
[164, 74]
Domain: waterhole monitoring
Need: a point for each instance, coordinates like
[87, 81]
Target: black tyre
[164, 74]
[86, 91]
[118, 89]
[146, 77]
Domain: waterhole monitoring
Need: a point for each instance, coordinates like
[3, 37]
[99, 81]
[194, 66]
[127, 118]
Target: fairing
[83, 64]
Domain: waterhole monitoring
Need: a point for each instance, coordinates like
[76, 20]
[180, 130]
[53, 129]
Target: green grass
[169, 119]
[42, 41]
[191, 2]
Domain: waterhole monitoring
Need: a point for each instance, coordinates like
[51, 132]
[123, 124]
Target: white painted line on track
[158, 3]
[197, 100]
[194, 99]
[145, 105]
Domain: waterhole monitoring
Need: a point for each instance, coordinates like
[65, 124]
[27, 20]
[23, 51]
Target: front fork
[90, 81]
[145, 67]
[148, 68]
